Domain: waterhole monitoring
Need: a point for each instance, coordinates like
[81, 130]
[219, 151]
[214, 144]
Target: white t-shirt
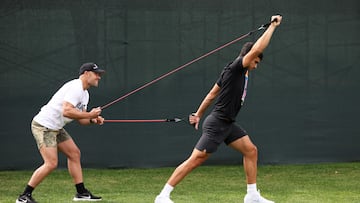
[51, 116]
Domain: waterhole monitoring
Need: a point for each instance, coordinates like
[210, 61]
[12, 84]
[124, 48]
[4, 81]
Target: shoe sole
[88, 200]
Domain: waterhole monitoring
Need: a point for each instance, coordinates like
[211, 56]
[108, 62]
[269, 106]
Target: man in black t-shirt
[219, 126]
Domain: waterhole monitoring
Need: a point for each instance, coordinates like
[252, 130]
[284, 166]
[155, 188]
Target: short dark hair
[247, 47]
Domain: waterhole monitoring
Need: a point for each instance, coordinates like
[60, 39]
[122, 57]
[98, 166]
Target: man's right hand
[95, 112]
[194, 120]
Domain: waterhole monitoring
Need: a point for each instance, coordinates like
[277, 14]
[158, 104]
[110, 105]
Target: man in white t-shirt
[67, 104]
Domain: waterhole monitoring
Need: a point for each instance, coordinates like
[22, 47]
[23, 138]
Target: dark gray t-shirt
[233, 84]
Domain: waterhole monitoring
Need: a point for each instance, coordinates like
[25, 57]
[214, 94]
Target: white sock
[251, 188]
[166, 190]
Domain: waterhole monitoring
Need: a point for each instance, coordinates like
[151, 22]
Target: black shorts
[215, 131]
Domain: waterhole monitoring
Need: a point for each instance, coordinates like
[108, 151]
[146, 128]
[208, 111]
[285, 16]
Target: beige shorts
[47, 137]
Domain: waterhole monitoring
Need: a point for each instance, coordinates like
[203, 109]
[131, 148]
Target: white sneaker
[163, 199]
[255, 198]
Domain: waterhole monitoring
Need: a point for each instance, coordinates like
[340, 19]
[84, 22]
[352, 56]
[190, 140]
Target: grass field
[312, 183]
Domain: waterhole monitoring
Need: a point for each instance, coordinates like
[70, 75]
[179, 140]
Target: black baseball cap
[90, 67]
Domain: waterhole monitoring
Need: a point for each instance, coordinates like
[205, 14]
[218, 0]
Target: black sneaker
[25, 198]
[87, 196]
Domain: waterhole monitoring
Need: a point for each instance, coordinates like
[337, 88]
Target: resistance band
[185, 65]
[144, 120]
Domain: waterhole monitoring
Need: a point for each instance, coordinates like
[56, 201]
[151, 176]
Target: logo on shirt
[245, 90]
[80, 106]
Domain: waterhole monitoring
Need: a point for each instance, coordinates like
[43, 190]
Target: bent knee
[75, 154]
[251, 150]
[197, 162]
[51, 165]
[197, 158]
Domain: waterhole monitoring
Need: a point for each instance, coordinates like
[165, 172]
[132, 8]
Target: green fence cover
[303, 100]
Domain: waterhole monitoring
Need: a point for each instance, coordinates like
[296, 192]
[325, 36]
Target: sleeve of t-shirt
[73, 95]
[218, 81]
[237, 64]
[85, 101]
